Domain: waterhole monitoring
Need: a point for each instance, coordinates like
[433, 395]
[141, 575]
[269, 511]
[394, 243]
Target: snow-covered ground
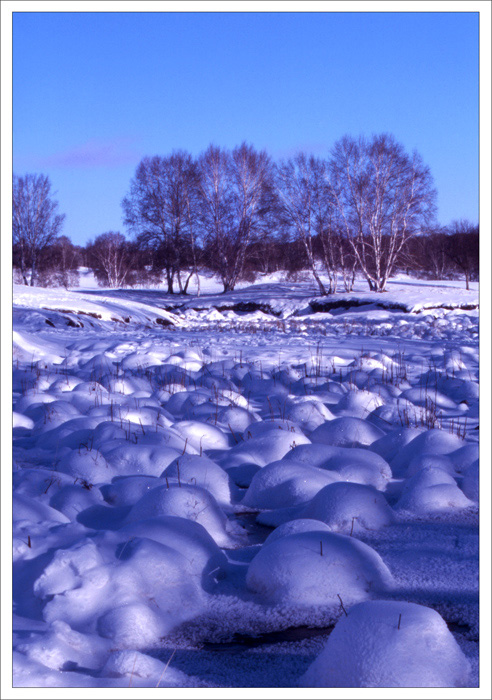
[258, 489]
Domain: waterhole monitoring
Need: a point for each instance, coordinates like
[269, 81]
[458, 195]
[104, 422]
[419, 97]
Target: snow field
[147, 464]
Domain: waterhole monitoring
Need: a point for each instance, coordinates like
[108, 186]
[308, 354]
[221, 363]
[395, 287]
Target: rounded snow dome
[360, 466]
[271, 426]
[433, 441]
[347, 432]
[470, 483]
[32, 510]
[391, 444]
[347, 507]
[201, 471]
[264, 449]
[140, 460]
[293, 527]
[202, 436]
[285, 483]
[127, 490]
[189, 538]
[464, 457]
[357, 403]
[87, 465]
[131, 625]
[389, 644]
[191, 502]
[431, 490]
[73, 499]
[308, 412]
[313, 568]
[236, 418]
[425, 460]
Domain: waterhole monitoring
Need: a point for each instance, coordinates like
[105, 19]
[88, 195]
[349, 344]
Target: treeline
[368, 209]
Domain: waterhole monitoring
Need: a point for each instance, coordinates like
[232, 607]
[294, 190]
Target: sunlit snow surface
[159, 439]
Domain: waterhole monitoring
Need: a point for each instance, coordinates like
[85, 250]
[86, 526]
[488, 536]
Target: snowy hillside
[260, 489]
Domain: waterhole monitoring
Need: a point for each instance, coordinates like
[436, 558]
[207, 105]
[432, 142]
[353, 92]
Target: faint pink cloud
[94, 154]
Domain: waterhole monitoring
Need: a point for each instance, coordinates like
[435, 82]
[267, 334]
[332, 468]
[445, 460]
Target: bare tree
[35, 221]
[462, 248]
[384, 197]
[58, 264]
[427, 256]
[110, 259]
[237, 195]
[304, 195]
[161, 210]
[217, 207]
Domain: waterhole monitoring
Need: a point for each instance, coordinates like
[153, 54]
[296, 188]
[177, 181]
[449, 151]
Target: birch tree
[110, 259]
[236, 194]
[384, 197]
[304, 196]
[161, 209]
[35, 221]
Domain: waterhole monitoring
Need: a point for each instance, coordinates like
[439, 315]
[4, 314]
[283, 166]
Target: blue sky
[95, 92]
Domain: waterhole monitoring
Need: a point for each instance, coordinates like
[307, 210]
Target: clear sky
[95, 92]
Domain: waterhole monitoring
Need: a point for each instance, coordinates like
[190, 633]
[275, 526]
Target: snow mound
[360, 466]
[264, 449]
[73, 499]
[193, 503]
[315, 454]
[30, 348]
[470, 483]
[157, 578]
[347, 432]
[132, 664]
[431, 490]
[30, 509]
[389, 644]
[139, 460]
[294, 527]
[357, 404]
[67, 569]
[349, 508]
[390, 445]
[422, 461]
[201, 471]
[271, 427]
[308, 412]
[132, 625]
[236, 419]
[134, 594]
[314, 568]
[87, 465]
[21, 421]
[127, 490]
[32, 400]
[202, 436]
[285, 483]
[189, 538]
[464, 457]
[39, 483]
[433, 441]
[62, 643]
[419, 396]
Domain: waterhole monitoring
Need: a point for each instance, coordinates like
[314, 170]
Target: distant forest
[367, 210]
